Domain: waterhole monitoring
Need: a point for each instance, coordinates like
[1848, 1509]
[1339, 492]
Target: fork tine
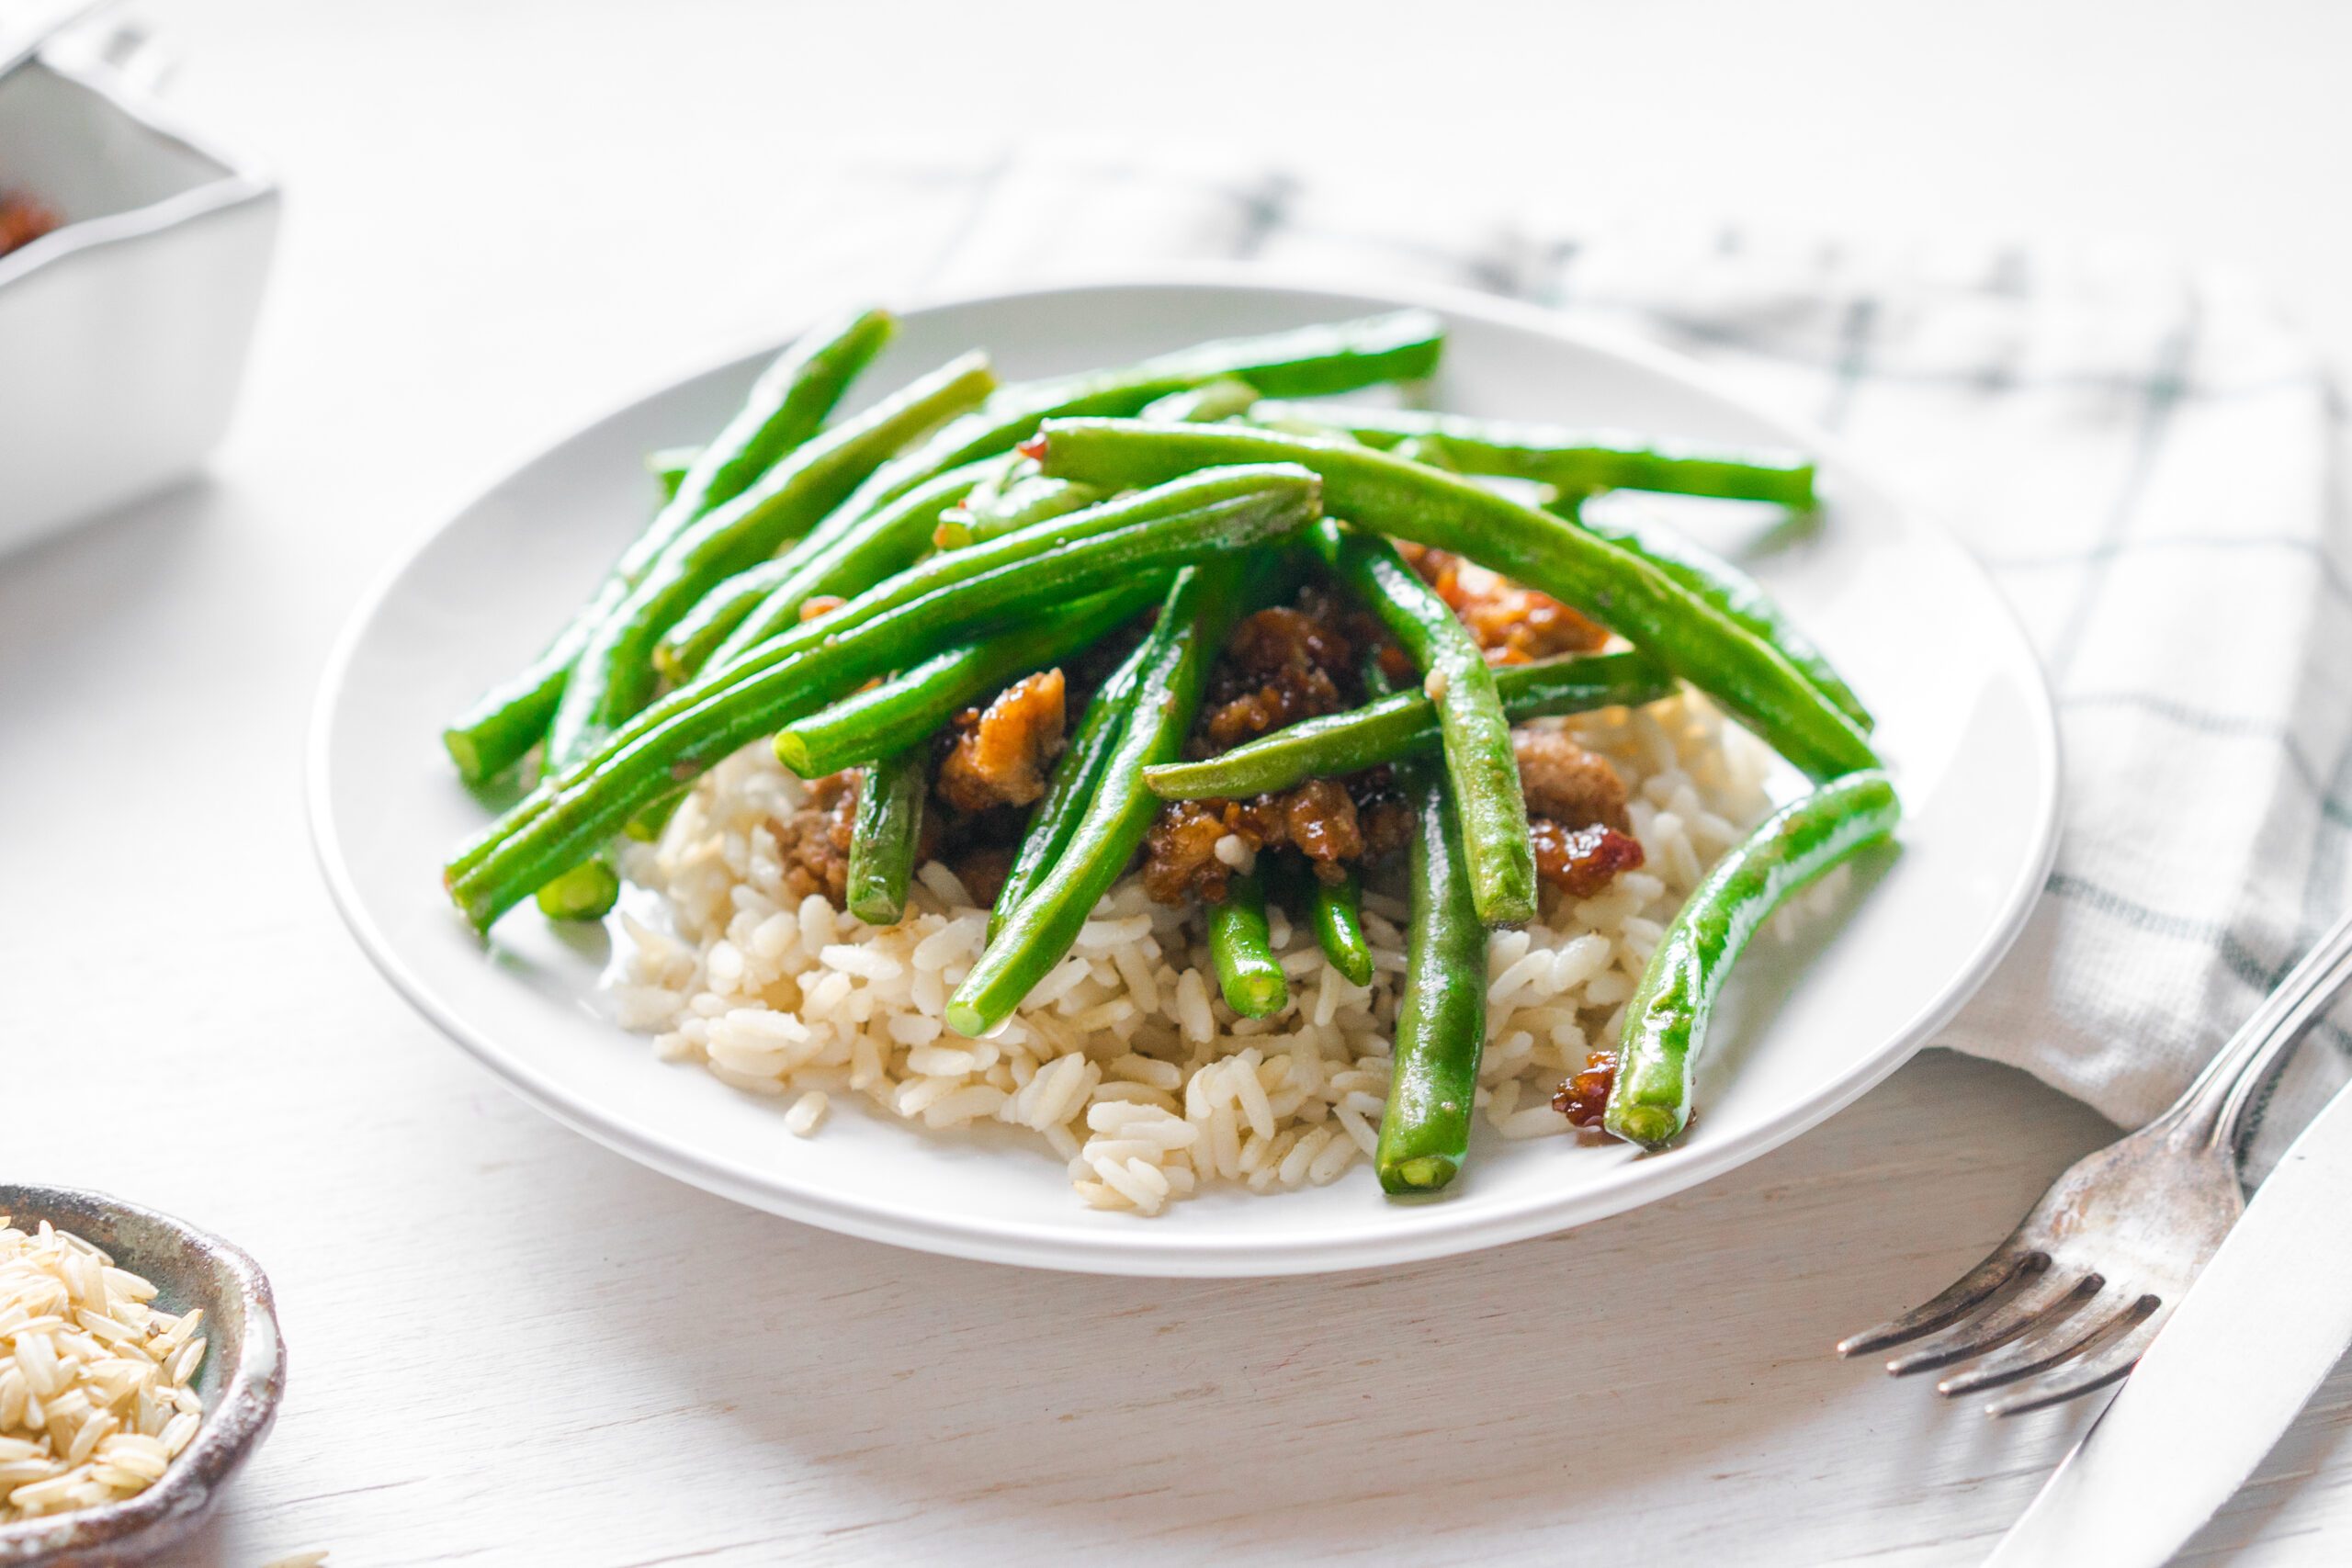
[1963, 1296]
[2070, 1337]
[2046, 1298]
[2110, 1363]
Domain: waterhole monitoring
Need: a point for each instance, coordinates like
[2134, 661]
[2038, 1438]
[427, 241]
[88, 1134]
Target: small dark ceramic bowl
[241, 1379]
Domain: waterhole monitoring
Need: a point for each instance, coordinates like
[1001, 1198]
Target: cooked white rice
[95, 1402]
[1124, 1060]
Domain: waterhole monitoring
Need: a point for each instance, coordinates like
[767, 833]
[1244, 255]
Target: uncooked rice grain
[95, 1402]
[1124, 1061]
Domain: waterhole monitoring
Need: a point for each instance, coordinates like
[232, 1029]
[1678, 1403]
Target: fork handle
[2209, 1111]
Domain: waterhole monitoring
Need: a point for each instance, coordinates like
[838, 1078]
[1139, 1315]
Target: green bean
[615, 674]
[1222, 398]
[1573, 461]
[1243, 953]
[1306, 361]
[913, 704]
[1032, 498]
[1405, 724]
[687, 646]
[784, 411]
[1442, 1015]
[1026, 496]
[786, 407]
[1336, 911]
[1171, 675]
[753, 606]
[1476, 735]
[1666, 1021]
[1729, 589]
[885, 833]
[1071, 787]
[890, 626]
[587, 892]
[1681, 631]
[669, 467]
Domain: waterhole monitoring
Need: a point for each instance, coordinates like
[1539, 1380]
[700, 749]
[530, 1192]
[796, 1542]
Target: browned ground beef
[982, 870]
[1281, 665]
[1584, 1096]
[1322, 819]
[1514, 624]
[814, 840]
[1580, 861]
[1002, 753]
[1569, 784]
[1299, 661]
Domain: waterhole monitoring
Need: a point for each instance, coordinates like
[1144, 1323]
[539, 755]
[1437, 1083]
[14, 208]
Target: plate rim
[1631, 1185]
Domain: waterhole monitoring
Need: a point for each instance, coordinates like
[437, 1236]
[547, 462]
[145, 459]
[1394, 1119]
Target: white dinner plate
[1809, 1024]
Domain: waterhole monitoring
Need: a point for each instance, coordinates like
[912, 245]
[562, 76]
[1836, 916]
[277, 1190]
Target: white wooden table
[508, 1346]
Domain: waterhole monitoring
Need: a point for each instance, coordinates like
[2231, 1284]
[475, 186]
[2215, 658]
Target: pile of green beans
[1692, 638]
[909, 707]
[567, 819]
[786, 406]
[840, 590]
[616, 674]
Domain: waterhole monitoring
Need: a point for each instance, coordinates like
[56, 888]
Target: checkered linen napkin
[2147, 461]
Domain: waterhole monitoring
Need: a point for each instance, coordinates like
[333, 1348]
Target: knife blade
[2256, 1333]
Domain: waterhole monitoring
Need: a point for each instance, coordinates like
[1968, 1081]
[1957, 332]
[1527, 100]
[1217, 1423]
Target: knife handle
[2211, 1110]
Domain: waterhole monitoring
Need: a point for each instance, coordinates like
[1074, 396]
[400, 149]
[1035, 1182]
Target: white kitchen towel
[2148, 460]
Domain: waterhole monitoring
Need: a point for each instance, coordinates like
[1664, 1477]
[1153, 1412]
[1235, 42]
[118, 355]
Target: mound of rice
[1126, 1061]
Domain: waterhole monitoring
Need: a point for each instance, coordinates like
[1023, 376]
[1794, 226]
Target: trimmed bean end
[586, 892]
[792, 752]
[466, 755]
[1651, 1127]
[1256, 994]
[1420, 1175]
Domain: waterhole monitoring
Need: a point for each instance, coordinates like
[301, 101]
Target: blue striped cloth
[2148, 460]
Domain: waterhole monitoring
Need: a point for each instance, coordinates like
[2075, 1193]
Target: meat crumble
[1581, 862]
[1584, 1097]
[1321, 819]
[1566, 782]
[813, 842]
[1004, 751]
[1281, 665]
[1298, 661]
[1284, 664]
[1514, 624]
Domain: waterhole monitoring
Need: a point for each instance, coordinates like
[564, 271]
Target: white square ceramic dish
[124, 333]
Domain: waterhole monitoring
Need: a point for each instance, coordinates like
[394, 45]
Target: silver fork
[2078, 1289]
